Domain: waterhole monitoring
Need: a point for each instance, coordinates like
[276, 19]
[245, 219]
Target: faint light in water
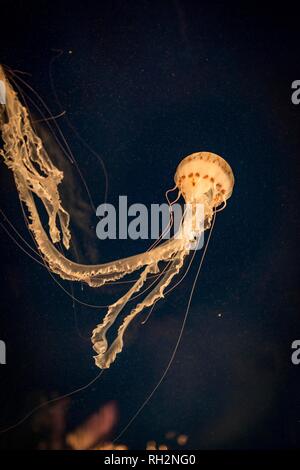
[182, 439]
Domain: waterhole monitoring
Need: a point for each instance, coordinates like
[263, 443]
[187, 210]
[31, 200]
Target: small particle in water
[162, 447]
[182, 439]
[151, 445]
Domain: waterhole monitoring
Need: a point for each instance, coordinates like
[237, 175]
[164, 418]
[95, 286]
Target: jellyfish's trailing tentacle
[99, 333]
[93, 275]
[107, 355]
[36, 175]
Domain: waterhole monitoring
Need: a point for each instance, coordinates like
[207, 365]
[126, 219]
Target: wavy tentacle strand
[35, 174]
[107, 355]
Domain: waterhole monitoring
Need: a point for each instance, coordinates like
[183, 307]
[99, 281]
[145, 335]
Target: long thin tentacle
[107, 355]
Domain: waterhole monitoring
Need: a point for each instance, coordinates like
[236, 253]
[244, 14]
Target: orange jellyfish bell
[204, 175]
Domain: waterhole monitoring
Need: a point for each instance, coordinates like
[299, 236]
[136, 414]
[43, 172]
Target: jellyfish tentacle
[107, 355]
[34, 173]
[99, 340]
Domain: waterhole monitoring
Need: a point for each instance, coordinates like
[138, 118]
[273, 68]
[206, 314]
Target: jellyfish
[202, 178]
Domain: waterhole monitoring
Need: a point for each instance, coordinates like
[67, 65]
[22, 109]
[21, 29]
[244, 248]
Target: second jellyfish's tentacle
[107, 355]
